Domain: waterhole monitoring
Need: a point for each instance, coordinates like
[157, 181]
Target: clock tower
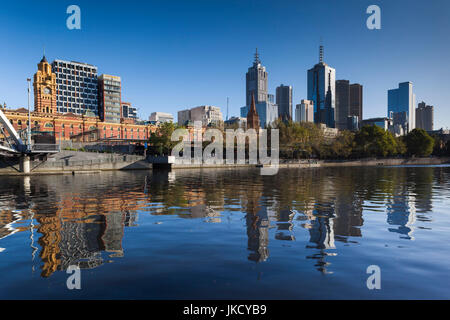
[44, 88]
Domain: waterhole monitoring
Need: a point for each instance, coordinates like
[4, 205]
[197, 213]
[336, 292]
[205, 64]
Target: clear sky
[176, 54]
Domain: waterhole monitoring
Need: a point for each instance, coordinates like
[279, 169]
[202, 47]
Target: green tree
[374, 141]
[160, 140]
[343, 145]
[419, 143]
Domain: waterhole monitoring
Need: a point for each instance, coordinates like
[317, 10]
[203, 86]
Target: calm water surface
[230, 234]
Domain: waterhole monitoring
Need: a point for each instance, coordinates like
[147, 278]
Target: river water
[228, 234]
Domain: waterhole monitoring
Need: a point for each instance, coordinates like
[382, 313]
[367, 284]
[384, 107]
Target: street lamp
[29, 118]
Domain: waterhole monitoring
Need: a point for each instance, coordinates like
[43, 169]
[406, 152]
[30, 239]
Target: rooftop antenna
[257, 57]
[228, 100]
[321, 51]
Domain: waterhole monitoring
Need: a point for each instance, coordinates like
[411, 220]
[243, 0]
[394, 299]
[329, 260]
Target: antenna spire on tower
[257, 56]
[321, 52]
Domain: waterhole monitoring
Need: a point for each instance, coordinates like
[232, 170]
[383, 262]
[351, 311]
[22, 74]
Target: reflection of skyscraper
[321, 90]
[257, 227]
[285, 225]
[401, 212]
[322, 235]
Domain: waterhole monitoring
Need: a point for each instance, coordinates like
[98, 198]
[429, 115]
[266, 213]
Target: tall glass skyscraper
[284, 102]
[321, 90]
[401, 104]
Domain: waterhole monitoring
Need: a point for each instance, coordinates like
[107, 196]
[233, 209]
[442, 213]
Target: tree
[419, 143]
[374, 141]
[160, 140]
[342, 146]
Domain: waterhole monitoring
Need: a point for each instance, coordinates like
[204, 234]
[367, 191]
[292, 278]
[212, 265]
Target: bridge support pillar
[25, 164]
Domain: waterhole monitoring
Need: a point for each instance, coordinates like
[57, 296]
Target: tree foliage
[160, 140]
[373, 141]
[419, 143]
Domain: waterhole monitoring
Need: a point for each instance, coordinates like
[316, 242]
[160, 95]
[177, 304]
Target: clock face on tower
[47, 90]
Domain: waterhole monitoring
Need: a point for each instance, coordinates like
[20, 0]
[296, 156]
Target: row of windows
[78, 85]
[50, 125]
[60, 78]
[78, 72]
[73, 66]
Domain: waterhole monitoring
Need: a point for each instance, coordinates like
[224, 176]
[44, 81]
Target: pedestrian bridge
[12, 145]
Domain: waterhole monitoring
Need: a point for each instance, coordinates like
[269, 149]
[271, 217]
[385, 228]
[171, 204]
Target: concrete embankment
[367, 162]
[329, 163]
[73, 162]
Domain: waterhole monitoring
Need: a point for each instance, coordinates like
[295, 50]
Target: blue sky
[172, 55]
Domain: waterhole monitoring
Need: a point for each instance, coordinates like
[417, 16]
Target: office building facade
[208, 115]
[425, 117]
[128, 111]
[356, 102]
[284, 102]
[161, 117]
[342, 103]
[321, 90]
[382, 122]
[304, 112]
[77, 87]
[348, 103]
[401, 106]
[267, 113]
[109, 95]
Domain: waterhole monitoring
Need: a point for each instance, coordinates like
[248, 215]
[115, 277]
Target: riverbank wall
[75, 162]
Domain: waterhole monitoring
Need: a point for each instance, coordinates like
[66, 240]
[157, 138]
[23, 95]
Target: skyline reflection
[82, 220]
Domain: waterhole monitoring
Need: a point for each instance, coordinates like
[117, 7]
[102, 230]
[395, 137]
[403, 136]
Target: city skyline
[377, 59]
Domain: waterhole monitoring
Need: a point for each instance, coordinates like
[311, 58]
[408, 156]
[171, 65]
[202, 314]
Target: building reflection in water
[81, 220]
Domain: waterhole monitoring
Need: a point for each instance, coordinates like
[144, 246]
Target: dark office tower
[321, 90]
[284, 102]
[356, 101]
[425, 117]
[342, 103]
[256, 82]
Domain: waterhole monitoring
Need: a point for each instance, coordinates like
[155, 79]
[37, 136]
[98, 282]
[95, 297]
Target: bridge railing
[42, 147]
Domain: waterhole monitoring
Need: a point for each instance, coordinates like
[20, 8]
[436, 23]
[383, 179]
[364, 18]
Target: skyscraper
[356, 101]
[321, 90]
[401, 104]
[425, 117]
[342, 103]
[348, 104]
[284, 102]
[304, 112]
[109, 89]
[77, 87]
[256, 82]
